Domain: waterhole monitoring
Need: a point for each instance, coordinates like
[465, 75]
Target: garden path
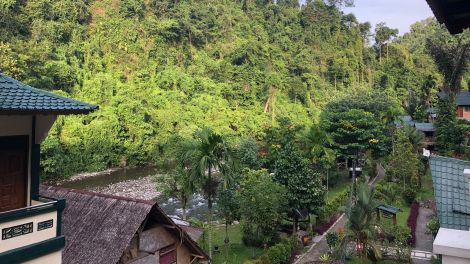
[424, 239]
[321, 247]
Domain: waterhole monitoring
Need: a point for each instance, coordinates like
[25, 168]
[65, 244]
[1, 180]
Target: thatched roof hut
[103, 228]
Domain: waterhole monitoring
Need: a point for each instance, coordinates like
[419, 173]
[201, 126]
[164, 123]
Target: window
[466, 108]
[168, 255]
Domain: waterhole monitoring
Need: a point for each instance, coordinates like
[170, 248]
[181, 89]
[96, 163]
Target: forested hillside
[159, 69]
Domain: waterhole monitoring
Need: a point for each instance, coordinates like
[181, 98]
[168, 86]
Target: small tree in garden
[262, 203]
[404, 162]
[177, 185]
[228, 208]
[361, 224]
[304, 187]
[388, 192]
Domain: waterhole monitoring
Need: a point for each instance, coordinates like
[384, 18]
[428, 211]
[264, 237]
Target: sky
[395, 13]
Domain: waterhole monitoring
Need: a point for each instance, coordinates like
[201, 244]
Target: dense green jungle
[161, 69]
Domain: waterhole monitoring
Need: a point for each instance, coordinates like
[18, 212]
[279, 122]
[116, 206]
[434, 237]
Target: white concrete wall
[31, 238]
[19, 125]
[453, 245]
[53, 258]
[454, 260]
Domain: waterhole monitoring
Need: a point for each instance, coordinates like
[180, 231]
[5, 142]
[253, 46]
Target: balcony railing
[30, 225]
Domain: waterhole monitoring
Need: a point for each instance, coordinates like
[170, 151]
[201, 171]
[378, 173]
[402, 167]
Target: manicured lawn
[236, 253]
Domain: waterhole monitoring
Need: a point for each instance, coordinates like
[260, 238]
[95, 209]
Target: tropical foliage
[164, 68]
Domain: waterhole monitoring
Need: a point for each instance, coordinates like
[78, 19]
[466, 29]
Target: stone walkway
[424, 240]
[321, 247]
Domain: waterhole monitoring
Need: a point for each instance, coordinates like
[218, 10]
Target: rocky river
[136, 183]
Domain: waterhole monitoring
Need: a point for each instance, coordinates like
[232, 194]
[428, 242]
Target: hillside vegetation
[159, 69]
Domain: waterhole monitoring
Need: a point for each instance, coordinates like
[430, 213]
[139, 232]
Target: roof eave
[455, 26]
[47, 111]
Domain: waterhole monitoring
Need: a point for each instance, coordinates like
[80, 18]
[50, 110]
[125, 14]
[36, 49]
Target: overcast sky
[395, 13]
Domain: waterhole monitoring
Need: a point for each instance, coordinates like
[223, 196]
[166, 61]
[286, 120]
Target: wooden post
[378, 214]
[394, 219]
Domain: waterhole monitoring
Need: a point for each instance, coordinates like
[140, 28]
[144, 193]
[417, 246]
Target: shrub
[279, 253]
[409, 195]
[395, 233]
[257, 238]
[413, 220]
[433, 226]
[332, 239]
[333, 207]
[321, 229]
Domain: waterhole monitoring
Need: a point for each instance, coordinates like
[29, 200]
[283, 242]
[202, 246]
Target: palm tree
[415, 137]
[206, 153]
[361, 224]
[389, 193]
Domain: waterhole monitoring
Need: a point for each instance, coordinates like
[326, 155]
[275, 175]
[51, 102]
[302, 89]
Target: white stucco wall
[31, 238]
[53, 258]
[17, 125]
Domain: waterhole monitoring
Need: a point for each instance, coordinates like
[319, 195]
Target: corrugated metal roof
[451, 189]
[19, 98]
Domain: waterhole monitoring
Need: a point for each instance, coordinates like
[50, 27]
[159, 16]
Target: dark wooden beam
[458, 7]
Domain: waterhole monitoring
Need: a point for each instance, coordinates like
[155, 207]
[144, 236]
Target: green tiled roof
[389, 208]
[19, 98]
[451, 188]
[461, 98]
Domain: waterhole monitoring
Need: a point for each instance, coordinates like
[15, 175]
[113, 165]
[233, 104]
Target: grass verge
[236, 252]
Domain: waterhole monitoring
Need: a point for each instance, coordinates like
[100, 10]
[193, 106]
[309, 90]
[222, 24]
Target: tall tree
[228, 208]
[449, 135]
[205, 154]
[262, 203]
[383, 36]
[403, 165]
[452, 57]
[304, 187]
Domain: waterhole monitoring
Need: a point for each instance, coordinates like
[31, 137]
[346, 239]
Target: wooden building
[30, 223]
[109, 229]
[462, 100]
